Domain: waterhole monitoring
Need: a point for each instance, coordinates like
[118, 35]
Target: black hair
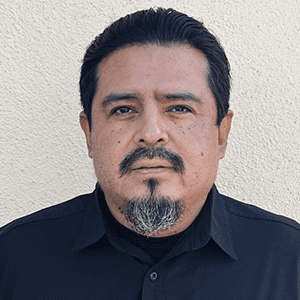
[162, 27]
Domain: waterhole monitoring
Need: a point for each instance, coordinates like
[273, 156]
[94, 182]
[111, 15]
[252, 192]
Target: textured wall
[43, 157]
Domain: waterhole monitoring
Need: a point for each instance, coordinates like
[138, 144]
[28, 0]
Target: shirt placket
[153, 284]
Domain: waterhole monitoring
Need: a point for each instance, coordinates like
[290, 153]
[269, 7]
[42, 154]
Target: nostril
[158, 141]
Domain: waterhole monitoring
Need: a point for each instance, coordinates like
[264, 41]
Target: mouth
[152, 165]
[156, 167]
[150, 169]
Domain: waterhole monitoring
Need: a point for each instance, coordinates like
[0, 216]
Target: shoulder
[38, 240]
[249, 211]
[54, 213]
[255, 224]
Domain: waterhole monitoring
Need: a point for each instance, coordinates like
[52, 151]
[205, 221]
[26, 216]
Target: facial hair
[144, 152]
[153, 213]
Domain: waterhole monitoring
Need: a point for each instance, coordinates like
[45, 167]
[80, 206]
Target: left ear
[223, 133]
[86, 129]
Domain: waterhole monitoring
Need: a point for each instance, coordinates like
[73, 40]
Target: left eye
[180, 108]
[121, 110]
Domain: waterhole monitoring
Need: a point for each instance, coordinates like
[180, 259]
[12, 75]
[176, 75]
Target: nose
[151, 129]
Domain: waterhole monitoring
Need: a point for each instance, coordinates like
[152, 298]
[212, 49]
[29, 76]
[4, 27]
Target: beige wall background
[43, 157]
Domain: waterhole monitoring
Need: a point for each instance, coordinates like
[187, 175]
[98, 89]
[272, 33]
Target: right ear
[84, 123]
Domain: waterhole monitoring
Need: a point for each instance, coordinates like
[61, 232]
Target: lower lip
[152, 170]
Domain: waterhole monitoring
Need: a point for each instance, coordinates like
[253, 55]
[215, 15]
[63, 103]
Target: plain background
[43, 156]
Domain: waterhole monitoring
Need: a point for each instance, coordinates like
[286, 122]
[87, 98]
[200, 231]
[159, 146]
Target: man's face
[155, 97]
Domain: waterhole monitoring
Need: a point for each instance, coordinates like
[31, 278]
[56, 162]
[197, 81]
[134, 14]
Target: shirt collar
[92, 226]
[213, 221]
[220, 224]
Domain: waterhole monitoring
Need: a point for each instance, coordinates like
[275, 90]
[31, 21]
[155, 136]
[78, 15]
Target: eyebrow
[115, 97]
[182, 96]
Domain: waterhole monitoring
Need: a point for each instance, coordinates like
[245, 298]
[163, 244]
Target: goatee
[148, 215]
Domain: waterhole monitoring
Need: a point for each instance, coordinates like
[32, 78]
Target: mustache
[161, 152]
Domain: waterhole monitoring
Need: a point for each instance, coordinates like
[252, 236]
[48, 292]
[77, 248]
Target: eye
[122, 110]
[180, 109]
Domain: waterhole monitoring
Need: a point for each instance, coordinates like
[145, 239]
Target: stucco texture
[43, 156]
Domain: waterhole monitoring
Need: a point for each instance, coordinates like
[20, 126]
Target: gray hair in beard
[148, 215]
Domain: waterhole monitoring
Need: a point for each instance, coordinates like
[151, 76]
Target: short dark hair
[161, 27]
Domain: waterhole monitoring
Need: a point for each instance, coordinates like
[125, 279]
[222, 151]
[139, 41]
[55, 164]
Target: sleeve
[7, 269]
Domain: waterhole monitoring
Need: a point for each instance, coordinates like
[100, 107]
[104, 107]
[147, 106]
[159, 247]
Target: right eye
[122, 110]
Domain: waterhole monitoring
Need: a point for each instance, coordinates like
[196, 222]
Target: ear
[224, 130]
[86, 129]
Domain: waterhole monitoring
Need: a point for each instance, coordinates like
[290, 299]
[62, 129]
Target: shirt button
[153, 276]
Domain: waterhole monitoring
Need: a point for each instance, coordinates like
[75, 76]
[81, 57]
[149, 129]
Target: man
[155, 93]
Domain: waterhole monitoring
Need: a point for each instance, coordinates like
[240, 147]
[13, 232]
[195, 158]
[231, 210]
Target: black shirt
[155, 247]
[72, 251]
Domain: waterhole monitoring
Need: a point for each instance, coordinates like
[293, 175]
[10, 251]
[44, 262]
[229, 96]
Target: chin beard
[149, 215]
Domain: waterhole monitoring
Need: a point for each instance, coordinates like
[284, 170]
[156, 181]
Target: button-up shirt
[231, 251]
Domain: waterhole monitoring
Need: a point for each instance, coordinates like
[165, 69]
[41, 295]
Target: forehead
[174, 68]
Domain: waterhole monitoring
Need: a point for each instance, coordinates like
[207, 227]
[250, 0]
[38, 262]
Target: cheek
[195, 139]
[110, 145]
[197, 143]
